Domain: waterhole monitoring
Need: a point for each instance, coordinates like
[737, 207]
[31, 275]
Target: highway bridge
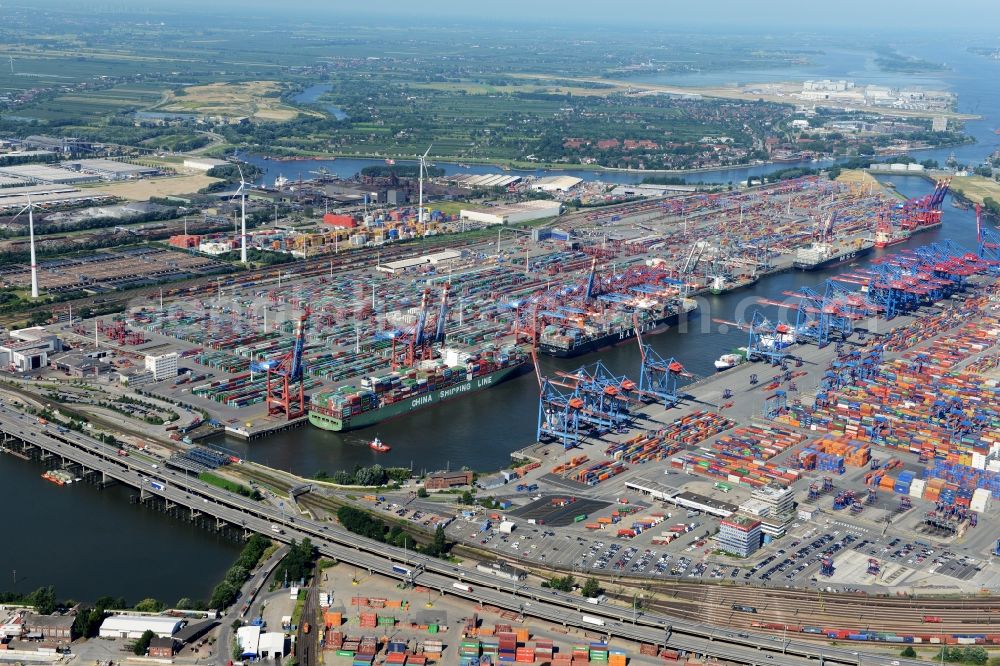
[178, 490]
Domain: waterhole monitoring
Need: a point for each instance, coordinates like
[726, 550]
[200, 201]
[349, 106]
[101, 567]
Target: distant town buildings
[847, 92]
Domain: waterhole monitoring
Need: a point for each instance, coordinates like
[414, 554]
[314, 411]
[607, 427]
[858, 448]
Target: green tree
[44, 600]
[975, 654]
[184, 603]
[467, 497]
[149, 606]
[909, 652]
[142, 644]
[422, 492]
[223, 595]
[564, 584]
[591, 588]
[439, 545]
[237, 574]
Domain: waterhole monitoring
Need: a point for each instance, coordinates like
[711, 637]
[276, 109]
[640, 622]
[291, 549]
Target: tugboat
[378, 446]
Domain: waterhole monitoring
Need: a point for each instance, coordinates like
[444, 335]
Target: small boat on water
[390, 161]
[731, 360]
[58, 477]
[379, 446]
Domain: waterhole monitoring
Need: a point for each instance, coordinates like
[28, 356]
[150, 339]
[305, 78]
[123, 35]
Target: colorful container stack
[643, 448]
[919, 404]
[490, 648]
[902, 485]
[432, 649]
[507, 645]
[695, 427]
[598, 653]
[543, 650]
[597, 472]
[757, 442]
[469, 649]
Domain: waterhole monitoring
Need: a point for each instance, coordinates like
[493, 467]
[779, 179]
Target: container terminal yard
[850, 451]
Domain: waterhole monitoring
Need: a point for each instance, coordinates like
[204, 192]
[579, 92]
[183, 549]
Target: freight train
[882, 636]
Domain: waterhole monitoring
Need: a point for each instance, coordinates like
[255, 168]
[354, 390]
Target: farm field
[142, 190]
[254, 99]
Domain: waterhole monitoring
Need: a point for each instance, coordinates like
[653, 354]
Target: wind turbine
[423, 167]
[31, 233]
[243, 215]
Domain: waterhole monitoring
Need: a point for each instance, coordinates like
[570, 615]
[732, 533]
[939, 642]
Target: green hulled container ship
[456, 374]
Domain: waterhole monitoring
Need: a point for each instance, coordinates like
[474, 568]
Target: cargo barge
[567, 343]
[402, 392]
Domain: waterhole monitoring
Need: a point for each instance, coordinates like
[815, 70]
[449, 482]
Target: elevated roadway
[177, 489]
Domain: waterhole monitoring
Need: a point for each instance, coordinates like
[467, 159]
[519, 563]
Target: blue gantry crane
[988, 242]
[285, 389]
[658, 376]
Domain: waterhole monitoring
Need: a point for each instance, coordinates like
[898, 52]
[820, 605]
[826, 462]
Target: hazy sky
[867, 15]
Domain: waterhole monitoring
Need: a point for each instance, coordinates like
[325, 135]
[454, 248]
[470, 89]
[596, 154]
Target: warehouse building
[203, 163]
[80, 363]
[271, 645]
[161, 648]
[24, 355]
[525, 211]
[111, 169]
[556, 183]
[49, 627]
[42, 173]
[133, 626]
[248, 640]
[434, 259]
[14, 198]
[445, 480]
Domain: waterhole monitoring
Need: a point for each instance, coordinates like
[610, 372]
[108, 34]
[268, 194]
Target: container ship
[722, 284]
[825, 251]
[455, 374]
[886, 235]
[824, 255]
[595, 330]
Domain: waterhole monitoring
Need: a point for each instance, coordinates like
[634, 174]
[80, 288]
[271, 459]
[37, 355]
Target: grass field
[142, 190]
[449, 207]
[225, 484]
[253, 99]
[857, 177]
[976, 188]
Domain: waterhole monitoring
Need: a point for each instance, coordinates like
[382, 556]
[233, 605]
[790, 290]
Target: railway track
[202, 286]
[903, 615]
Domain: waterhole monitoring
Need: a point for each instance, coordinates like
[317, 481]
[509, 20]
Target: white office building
[162, 367]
